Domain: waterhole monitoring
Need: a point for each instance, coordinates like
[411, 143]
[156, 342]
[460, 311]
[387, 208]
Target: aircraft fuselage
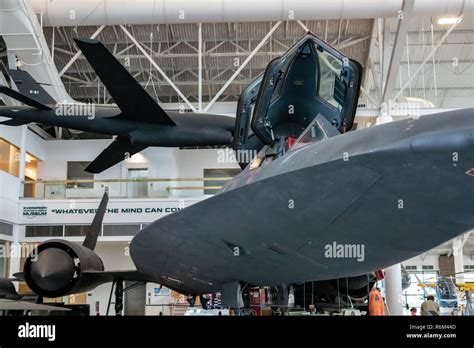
[341, 207]
[192, 129]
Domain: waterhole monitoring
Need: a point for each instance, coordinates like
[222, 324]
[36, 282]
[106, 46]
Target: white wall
[9, 184]
[9, 188]
[34, 144]
[162, 162]
[193, 162]
[59, 152]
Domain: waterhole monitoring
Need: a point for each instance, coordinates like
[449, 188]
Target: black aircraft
[59, 267]
[137, 120]
[317, 202]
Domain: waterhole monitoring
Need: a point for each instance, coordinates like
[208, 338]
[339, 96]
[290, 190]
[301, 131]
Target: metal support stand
[119, 291]
[118, 297]
[203, 302]
[110, 298]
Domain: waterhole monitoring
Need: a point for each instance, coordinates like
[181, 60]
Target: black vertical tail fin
[131, 98]
[96, 225]
[27, 86]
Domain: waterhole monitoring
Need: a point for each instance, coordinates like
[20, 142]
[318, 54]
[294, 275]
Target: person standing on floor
[376, 302]
[430, 307]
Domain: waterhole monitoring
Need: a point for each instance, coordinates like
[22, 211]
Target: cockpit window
[330, 69]
[311, 78]
[313, 133]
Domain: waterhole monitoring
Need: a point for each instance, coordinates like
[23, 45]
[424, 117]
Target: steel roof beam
[242, 66]
[404, 18]
[157, 67]
[79, 53]
[427, 58]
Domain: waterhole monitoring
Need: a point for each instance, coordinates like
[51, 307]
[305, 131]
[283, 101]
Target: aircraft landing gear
[118, 285]
[192, 301]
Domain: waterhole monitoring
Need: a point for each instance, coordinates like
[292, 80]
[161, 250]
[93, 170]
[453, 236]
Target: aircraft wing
[110, 276]
[10, 305]
[429, 285]
[120, 149]
[134, 275]
[23, 98]
[132, 99]
[465, 286]
[13, 122]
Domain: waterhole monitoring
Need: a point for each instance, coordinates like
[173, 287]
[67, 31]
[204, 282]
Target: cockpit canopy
[311, 78]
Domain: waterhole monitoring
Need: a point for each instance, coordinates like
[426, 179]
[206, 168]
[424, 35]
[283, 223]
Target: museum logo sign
[34, 211]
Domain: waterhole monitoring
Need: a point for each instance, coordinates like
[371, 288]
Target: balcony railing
[123, 188]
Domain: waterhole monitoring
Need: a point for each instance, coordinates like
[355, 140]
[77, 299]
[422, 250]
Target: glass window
[31, 175]
[9, 158]
[76, 230]
[44, 231]
[330, 69]
[311, 134]
[316, 131]
[423, 283]
[6, 229]
[139, 187]
[76, 171]
[121, 230]
[217, 173]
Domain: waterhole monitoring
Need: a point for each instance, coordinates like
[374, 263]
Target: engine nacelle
[56, 268]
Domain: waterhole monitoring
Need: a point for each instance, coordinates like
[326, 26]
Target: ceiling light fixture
[449, 20]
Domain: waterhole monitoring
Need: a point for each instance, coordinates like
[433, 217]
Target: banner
[82, 211]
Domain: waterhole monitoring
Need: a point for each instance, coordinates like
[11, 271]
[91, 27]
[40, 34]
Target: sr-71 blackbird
[137, 120]
[318, 202]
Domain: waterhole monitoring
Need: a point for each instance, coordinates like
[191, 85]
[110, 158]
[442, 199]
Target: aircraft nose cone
[52, 270]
